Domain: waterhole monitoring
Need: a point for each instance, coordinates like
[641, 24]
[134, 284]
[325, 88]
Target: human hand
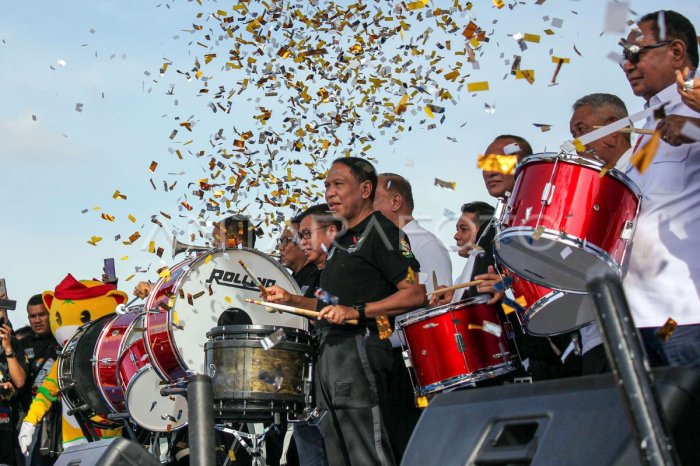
[440, 299]
[671, 129]
[489, 285]
[337, 314]
[277, 294]
[143, 289]
[6, 337]
[690, 95]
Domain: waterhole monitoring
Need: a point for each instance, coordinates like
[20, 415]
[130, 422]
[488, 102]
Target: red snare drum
[134, 355]
[185, 306]
[455, 344]
[107, 350]
[548, 312]
[564, 223]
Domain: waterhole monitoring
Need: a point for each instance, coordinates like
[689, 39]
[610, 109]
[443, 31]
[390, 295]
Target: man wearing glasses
[663, 278]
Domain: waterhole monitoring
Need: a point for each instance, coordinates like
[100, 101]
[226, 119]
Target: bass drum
[75, 376]
[185, 305]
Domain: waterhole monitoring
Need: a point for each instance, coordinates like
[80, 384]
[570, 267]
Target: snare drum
[564, 223]
[251, 383]
[455, 344]
[141, 387]
[548, 312]
[109, 346]
[186, 305]
[75, 376]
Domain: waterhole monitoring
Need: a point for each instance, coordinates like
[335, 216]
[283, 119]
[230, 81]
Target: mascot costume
[72, 304]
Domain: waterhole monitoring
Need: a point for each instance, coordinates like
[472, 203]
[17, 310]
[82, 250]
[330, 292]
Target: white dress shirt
[663, 276]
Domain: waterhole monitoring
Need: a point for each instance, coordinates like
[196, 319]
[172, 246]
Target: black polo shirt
[40, 352]
[307, 278]
[365, 264]
[485, 238]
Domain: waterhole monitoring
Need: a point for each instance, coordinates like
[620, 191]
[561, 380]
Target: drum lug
[407, 358]
[460, 342]
[548, 193]
[627, 231]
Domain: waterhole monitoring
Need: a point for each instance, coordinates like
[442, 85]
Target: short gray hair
[601, 100]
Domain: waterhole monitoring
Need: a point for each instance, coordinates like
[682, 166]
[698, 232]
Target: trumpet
[179, 247]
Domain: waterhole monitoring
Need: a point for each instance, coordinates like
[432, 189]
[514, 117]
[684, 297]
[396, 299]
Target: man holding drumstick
[371, 273]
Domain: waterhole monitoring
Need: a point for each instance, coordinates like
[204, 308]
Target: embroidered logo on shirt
[406, 249]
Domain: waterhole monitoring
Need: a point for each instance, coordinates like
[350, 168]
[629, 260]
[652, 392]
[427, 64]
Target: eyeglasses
[632, 52]
[306, 234]
[284, 241]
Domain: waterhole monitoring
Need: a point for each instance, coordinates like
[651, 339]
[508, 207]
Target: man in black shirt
[13, 371]
[40, 348]
[371, 272]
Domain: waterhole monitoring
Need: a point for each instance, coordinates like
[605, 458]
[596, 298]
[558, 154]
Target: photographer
[12, 377]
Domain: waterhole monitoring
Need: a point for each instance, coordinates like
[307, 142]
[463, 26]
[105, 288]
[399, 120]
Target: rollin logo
[237, 280]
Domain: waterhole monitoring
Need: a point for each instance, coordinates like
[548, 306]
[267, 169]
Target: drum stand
[256, 443]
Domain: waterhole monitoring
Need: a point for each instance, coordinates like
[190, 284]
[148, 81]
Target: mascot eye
[85, 317]
[59, 320]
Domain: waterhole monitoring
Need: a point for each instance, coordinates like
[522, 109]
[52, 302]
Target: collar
[670, 95]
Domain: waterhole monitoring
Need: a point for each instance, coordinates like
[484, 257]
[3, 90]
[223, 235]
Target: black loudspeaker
[576, 421]
[111, 452]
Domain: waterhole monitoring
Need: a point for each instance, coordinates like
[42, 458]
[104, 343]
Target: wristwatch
[11, 355]
[360, 308]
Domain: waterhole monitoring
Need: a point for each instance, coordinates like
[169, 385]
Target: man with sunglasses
[663, 276]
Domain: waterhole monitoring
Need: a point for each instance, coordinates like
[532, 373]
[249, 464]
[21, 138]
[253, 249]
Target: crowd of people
[362, 256]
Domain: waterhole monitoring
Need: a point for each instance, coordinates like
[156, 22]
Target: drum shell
[448, 346]
[148, 408]
[178, 322]
[132, 359]
[251, 383]
[583, 212]
[107, 350]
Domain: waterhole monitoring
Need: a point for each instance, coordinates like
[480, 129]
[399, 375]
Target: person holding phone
[13, 373]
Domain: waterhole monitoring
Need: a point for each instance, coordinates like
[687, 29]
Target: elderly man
[662, 281]
[369, 271]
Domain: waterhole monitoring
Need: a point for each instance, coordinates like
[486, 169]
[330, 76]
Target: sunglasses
[632, 52]
[284, 241]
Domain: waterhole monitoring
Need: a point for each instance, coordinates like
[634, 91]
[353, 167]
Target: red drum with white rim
[107, 350]
[183, 307]
[455, 344]
[548, 312]
[564, 223]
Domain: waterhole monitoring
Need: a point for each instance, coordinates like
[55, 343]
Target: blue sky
[66, 161]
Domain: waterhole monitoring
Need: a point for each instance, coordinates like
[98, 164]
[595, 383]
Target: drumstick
[629, 130]
[254, 278]
[455, 287]
[293, 310]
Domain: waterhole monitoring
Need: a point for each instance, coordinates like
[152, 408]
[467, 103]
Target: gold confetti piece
[429, 112]
[124, 258]
[421, 401]
[644, 156]
[410, 276]
[384, 327]
[532, 38]
[402, 105]
[417, 5]
[498, 4]
[497, 163]
[227, 299]
[94, 240]
[109, 218]
[528, 75]
[152, 246]
[132, 218]
[559, 61]
[454, 74]
[543, 126]
[470, 30]
[478, 86]
[445, 184]
[580, 147]
[208, 259]
[537, 233]
[549, 32]
[118, 195]
[134, 237]
[508, 309]
[152, 167]
[164, 273]
[666, 329]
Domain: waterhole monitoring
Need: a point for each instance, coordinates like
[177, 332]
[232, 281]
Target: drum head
[216, 282]
[559, 313]
[149, 409]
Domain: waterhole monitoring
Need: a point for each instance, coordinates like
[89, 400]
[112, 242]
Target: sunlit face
[315, 239]
[584, 120]
[655, 69]
[497, 184]
[466, 233]
[290, 253]
[346, 196]
[38, 318]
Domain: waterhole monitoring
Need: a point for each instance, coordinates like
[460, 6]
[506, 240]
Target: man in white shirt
[394, 199]
[663, 278]
[615, 150]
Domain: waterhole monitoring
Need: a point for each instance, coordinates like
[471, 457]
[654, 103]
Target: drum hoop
[422, 314]
[575, 159]
[476, 376]
[558, 237]
[168, 324]
[540, 304]
[235, 329]
[95, 365]
[139, 373]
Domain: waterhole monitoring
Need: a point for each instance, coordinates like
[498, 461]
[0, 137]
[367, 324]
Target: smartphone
[109, 270]
[3, 288]
[2, 321]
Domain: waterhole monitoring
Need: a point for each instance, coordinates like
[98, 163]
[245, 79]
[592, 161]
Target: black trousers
[352, 376]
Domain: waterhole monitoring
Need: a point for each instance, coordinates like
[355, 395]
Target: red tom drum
[564, 223]
[454, 344]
